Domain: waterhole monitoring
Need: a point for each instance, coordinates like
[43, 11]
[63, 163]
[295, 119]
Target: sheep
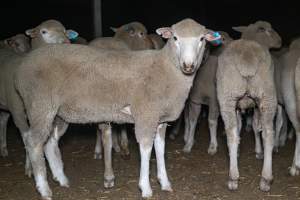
[9, 62]
[161, 80]
[157, 41]
[290, 92]
[245, 78]
[19, 43]
[132, 36]
[204, 92]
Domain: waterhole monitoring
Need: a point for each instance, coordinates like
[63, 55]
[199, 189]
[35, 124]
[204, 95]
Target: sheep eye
[201, 39]
[44, 31]
[175, 38]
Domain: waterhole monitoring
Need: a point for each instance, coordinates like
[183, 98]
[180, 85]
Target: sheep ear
[9, 42]
[114, 29]
[165, 32]
[240, 29]
[71, 34]
[32, 32]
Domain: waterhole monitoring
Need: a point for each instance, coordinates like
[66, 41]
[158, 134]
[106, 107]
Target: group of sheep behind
[37, 88]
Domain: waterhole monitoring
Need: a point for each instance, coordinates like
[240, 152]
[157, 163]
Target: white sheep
[204, 92]
[245, 78]
[19, 43]
[50, 31]
[290, 93]
[160, 80]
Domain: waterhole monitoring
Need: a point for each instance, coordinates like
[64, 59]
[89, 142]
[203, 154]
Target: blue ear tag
[72, 35]
[217, 41]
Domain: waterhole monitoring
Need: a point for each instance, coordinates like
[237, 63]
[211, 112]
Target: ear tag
[216, 39]
[72, 35]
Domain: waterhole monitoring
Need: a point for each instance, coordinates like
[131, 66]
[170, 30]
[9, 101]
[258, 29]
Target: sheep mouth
[188, 71]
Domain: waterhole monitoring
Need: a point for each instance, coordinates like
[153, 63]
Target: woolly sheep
[161, 79]
[290, 92]
[248, 63]
[9, 62]
[132, 36]
[19, 43]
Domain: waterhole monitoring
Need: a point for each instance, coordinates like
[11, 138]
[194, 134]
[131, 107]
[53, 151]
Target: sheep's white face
[54, 36]
[189, 50]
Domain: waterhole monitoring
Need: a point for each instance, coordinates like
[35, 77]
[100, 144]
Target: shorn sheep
[245, 78]
[161, 80]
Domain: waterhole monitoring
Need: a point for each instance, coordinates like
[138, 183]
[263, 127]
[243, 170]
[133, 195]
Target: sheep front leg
[3, 140]
[159, 144]
[191, 114]
[109, 176]
[98, 146]
[267, 116]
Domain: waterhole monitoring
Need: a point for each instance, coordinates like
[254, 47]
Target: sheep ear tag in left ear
[72, 35]
[214, 38]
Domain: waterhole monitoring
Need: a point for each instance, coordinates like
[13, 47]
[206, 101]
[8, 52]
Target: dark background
[16, 16]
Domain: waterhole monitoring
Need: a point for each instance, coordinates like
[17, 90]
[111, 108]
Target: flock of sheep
[135, 77]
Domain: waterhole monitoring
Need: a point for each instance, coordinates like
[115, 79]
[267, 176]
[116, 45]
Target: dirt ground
[193, 176]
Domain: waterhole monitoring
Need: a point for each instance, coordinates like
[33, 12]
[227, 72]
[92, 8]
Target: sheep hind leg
[3, 126]
[53, 154]
[175, 130]
[109, 177]
[295, 169]
[115, 141]
[278, 127]
[191, 114]
[283, 133]
[267, 116]
[230, 119]
[159, 144]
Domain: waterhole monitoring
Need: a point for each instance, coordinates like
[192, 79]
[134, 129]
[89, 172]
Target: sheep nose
[188, 68]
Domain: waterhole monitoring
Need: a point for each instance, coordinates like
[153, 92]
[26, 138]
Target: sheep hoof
[46, 198]
[98, 156]
[265, 185]
[233, 185]
[259, 156]
[4, 152]
[63, 182]
[294, 171]
[212, 150]
[109, 183]
[167, 188]
[187, 149]
[147, 194]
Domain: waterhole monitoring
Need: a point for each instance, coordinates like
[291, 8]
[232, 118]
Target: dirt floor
[193, 176]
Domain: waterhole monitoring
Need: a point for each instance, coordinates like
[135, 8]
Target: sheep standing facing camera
[161, 80]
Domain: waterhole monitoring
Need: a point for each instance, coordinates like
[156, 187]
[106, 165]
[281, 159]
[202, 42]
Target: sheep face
[262, 32]
[50, 32]
[19, 43]
[187, 39]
